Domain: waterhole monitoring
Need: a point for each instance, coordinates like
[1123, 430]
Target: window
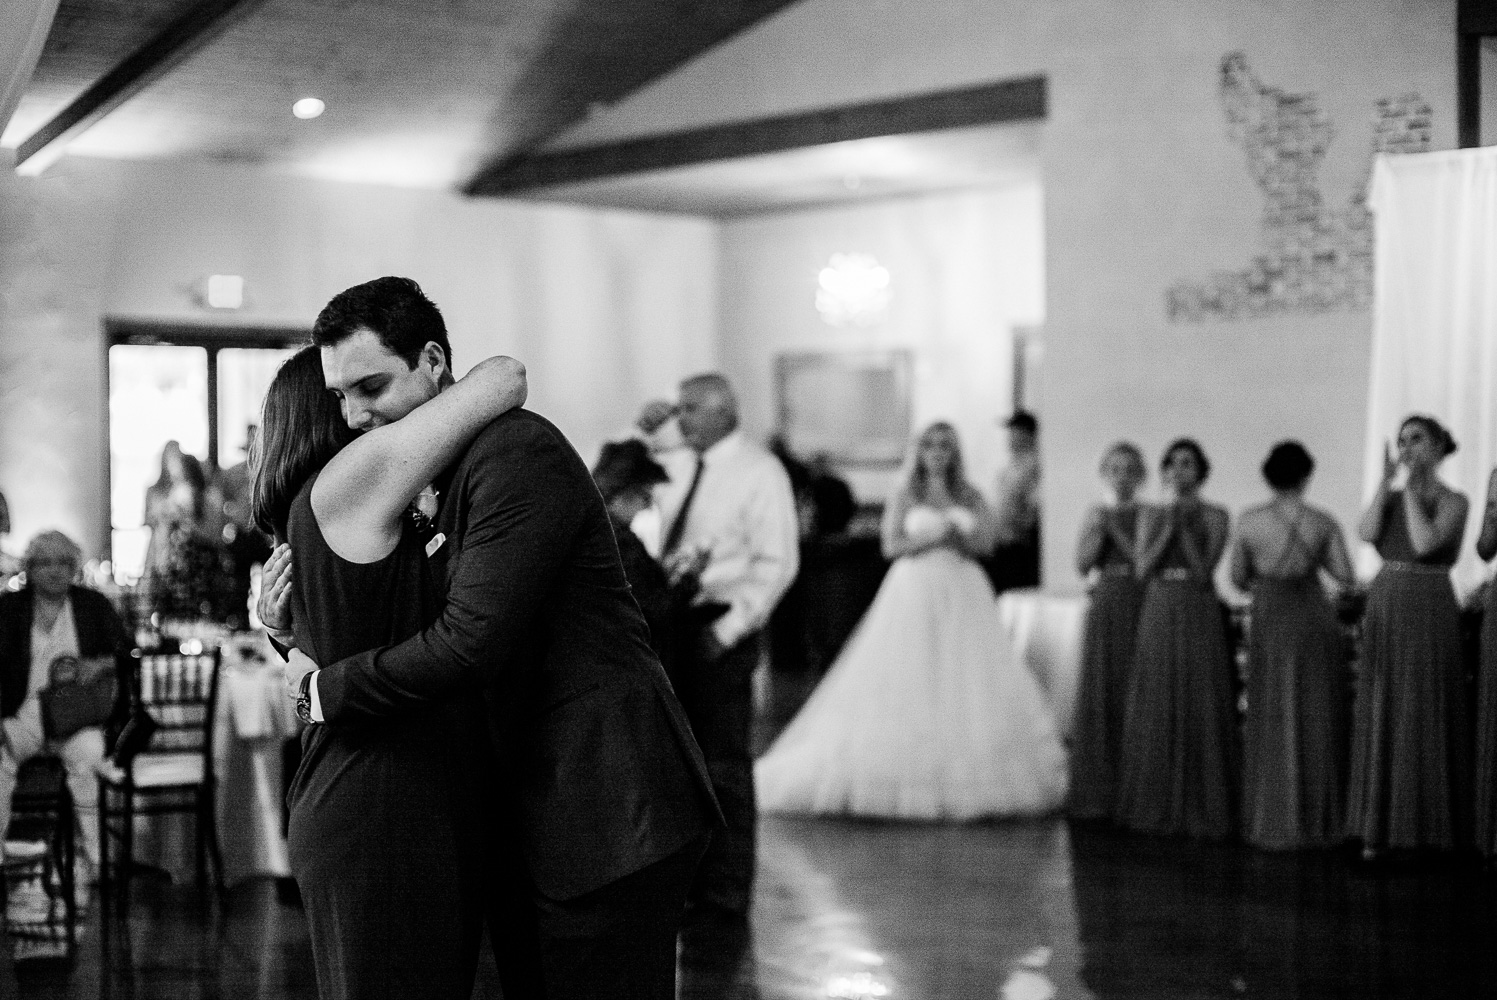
[200, 387]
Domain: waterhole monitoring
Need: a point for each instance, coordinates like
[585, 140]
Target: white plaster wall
[1143, 187]
[965, 269]
[606, 308]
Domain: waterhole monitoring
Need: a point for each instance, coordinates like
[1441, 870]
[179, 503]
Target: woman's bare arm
[1156, 526]
[1486, 542]
[1337, 562]
[977, 543]
[1444, 527]
[896, 542]
[1202, 555]
[359, 497]
[1093, 540]
[1241, 566]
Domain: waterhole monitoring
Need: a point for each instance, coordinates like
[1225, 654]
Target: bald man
[735, 519]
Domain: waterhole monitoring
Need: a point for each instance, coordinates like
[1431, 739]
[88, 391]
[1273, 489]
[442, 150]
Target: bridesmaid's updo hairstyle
[1129, 449]
[1435, 430]
[1288, 465]
[301, 429]
[1191, 445]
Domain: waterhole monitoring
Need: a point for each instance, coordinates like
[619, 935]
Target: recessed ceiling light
[308, 107]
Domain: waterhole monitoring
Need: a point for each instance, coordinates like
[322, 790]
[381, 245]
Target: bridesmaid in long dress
[1106, 548]
[1293, 774]
[1486, 706]
[1178, 773]
[1409, 775]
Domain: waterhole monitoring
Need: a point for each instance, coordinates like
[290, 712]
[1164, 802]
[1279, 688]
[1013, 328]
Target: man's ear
[434, 357]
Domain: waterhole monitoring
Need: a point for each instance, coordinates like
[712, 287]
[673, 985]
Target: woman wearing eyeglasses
[1178, 768]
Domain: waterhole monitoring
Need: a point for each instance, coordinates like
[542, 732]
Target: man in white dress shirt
[735, 518]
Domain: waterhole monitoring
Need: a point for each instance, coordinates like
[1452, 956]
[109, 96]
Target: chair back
[180, 691]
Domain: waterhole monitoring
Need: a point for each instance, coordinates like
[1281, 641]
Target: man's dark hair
[394, 309]
[1023, 420]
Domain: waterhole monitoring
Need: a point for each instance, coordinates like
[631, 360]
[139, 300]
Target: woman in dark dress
[1409, 774]
[1178, 769]
[1294, 738]
[1106, 549]
[1486, 704]
[386, 827]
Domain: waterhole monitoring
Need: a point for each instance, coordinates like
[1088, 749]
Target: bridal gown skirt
[928, 713]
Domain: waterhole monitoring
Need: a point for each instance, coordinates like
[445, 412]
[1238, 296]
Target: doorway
[200, 386]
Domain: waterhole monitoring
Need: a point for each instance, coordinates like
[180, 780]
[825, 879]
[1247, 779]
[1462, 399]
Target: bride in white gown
[928, 713]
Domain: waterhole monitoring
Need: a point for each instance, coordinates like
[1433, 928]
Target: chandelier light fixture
[853, 290]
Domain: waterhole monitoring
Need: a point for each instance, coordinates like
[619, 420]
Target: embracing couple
[492, 740]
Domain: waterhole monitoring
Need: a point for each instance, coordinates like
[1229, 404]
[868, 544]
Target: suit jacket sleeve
[523, 501]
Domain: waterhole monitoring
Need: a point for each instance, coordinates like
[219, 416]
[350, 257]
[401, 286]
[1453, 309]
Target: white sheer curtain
[1435, 317]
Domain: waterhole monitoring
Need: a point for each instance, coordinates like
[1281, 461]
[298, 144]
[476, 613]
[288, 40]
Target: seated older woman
[51, 617]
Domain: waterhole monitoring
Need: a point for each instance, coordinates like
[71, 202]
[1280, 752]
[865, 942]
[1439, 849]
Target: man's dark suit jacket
[594, 751]
[100, 633]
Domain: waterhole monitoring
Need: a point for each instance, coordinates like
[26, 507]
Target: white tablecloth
[253, 718]
[1046, 629]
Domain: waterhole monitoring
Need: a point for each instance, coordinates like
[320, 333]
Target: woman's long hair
[916, 479]
[192, 474]
[301, 429]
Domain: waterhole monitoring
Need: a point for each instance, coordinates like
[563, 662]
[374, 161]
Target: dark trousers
[718, 698]
[617, 942]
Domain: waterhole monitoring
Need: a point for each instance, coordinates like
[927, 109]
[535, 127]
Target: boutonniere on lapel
[423, 510]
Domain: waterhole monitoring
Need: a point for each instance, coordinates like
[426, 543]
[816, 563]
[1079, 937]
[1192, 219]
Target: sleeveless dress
[1486, 731]
[928, 713]
[385, 832]
[1178, 773]
[1409, 772]
[1106, 665]
[1294, 736]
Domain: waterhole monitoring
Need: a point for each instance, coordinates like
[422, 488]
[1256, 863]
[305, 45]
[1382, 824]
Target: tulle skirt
[928, 713]
[1409, 772]
[1294, 738]
[1102, 695]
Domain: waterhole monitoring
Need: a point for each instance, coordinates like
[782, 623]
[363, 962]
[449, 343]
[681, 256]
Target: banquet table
[252, 720]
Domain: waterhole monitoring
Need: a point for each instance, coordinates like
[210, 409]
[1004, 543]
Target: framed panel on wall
[852, 407]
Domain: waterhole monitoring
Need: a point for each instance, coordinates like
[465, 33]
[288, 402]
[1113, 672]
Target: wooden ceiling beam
[198, 26]
[23, 30]
[1005, 101]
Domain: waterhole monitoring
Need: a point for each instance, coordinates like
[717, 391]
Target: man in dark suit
[603, 801]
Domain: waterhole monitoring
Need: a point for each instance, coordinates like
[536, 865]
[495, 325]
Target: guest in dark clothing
[1486, 691]
[1178, 769]
[1107, 552]
[1295, 734]
[1015, 559]
[387, 837]
[626, 474]
[1410, 740]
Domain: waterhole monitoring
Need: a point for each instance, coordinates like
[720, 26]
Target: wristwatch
[304, 699]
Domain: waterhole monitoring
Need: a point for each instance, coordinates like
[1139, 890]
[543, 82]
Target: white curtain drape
[1435, 317]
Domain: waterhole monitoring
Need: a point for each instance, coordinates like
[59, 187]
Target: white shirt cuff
[316, 701]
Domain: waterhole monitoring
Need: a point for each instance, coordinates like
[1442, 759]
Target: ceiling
[419, 92]
[436, 93]
[834, 173]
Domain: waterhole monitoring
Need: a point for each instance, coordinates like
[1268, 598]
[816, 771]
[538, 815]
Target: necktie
[678, 526]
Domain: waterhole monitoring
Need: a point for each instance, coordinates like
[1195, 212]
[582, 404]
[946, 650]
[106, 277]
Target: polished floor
[1019, 911]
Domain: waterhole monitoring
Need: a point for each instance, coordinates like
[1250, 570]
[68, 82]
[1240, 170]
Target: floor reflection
[1012, 910]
